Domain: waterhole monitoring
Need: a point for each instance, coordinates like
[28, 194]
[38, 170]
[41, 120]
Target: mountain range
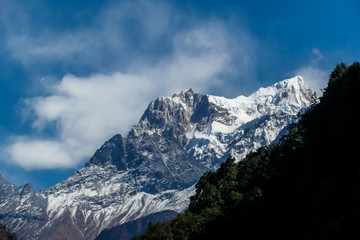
[153, 170]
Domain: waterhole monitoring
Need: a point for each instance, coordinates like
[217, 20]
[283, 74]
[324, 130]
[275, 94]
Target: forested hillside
[305, 187]
[6, 234]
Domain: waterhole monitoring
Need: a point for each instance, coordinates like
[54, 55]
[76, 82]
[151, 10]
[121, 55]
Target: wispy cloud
[318, 56]
[314, 76]
[88, 110]
[127, 29]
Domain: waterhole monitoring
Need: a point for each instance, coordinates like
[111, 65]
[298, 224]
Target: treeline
[305, 187]
[6, 234]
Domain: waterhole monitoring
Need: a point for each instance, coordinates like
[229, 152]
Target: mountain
[305, 187]
[155, 167]
[130, 229]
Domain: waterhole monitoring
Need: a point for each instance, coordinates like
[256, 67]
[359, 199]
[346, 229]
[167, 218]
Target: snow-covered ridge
[296, 87]
[287, 96]
[210, 123]
[154, 168]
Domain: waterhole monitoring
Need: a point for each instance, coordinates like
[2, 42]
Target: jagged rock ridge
[154, 168]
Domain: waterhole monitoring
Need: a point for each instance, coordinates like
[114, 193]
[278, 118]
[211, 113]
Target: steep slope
[155, 167]
[130, 229]
[209, 126]
[21, 203]
[305, 187]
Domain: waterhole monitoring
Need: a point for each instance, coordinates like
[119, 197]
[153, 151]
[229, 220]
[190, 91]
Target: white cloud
[317, 53]
[34, 154]
[200, 55]
[121, 30]
[88, 110]
[314, 77]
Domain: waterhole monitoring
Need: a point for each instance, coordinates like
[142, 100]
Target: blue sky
[74, 73]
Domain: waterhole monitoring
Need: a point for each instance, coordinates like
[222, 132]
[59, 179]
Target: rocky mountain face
[129, 229]
[155, 167]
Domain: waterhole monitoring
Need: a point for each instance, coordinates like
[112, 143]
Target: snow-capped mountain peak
[287, 96]
[154, 168]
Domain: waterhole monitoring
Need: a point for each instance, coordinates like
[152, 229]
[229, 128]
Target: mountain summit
[154, 168]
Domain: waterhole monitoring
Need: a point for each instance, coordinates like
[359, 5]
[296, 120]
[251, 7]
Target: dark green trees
[5, 234]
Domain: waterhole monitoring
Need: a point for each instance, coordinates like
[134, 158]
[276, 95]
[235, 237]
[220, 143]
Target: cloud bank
[172, 54]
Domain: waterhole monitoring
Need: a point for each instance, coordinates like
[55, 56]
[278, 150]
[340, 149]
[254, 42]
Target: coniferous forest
[305, 187]
[6, 234]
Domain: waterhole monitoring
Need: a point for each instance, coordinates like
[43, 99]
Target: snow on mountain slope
[155, 167]
[209, 127]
